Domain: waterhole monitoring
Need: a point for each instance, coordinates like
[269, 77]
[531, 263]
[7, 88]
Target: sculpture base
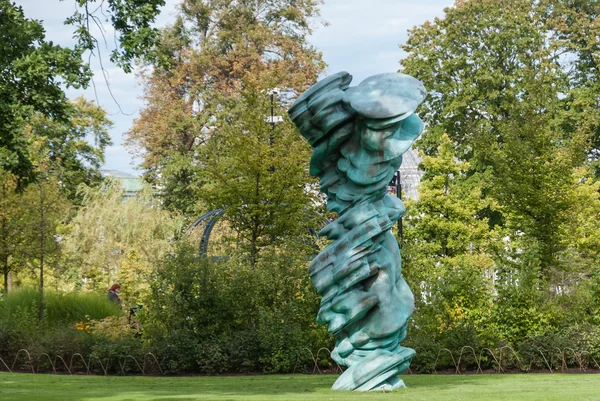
[391, 384]
[376, 372]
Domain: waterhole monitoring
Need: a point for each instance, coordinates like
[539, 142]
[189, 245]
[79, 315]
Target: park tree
[532, 300]
[511, 85]
[497, 88]
[34, 71]
[213, 51]
[73, 147]
[111, 239]
[449, 250]
[257, 172]
[69, 151]
[477, 63]
[12, 233]
[45, 207]
[576, 35]
[582, 248]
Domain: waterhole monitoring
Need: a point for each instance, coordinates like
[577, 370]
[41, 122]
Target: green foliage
[214, 316]
[498, 91]
[448, 252]
[488, 56]
[58, 333]
[45, 207]
[575, 34]
[62, 309]
[33, 71]
[112, 239]
[131, 19]
[29, 223]
[12, 236]
[73, 148]
[497, 247]
[213, 65]
[258, 174]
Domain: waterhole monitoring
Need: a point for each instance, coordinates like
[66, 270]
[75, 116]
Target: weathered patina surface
[359, 135]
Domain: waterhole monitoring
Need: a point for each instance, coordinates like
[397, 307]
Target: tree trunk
[253, 248]
[42, 250]
[5, 278]
[42, 287]
[5, 268]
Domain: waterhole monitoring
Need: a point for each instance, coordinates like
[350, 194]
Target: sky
[362, 37]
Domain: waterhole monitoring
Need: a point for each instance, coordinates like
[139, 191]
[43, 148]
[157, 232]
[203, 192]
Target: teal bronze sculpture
[359, 135]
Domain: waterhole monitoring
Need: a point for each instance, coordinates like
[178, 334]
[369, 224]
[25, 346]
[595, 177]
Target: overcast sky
[363, 38]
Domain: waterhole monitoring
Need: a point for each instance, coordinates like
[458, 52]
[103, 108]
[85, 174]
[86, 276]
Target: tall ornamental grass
[60, 308]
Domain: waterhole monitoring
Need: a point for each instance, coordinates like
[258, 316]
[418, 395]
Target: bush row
[228, 315]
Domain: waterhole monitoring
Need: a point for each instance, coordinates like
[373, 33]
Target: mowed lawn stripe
[543, 387]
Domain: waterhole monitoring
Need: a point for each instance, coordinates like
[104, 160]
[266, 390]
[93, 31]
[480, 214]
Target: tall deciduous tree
[498, 90]
[74, 147]
[448, 249]
[213, 51]
[478, 63]
[257, 172]
[112, 239]
[33, 70]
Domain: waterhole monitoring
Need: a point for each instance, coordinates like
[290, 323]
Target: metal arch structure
[212, 218]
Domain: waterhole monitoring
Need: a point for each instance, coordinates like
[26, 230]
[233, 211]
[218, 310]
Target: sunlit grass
[21, 387]
[60, 308]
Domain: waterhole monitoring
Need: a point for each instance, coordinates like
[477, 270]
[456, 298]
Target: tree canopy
[497, 243]
[214, 50]
[131, 20]
[33, 72]
[501, 92]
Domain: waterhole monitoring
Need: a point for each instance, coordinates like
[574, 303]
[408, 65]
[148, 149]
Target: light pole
[397, 183]
[272, 120]
[272, 93]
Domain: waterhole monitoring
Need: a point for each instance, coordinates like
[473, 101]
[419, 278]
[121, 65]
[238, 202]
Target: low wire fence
[484, 360]
[78, 364]
[465, 359]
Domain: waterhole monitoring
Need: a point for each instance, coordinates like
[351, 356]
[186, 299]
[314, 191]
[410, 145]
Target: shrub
[227, 315]
[65, 328]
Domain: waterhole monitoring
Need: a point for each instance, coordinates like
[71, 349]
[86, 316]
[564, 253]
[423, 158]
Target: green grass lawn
[38, 387]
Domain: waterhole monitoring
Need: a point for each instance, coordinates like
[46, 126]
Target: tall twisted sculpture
[359, 135]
